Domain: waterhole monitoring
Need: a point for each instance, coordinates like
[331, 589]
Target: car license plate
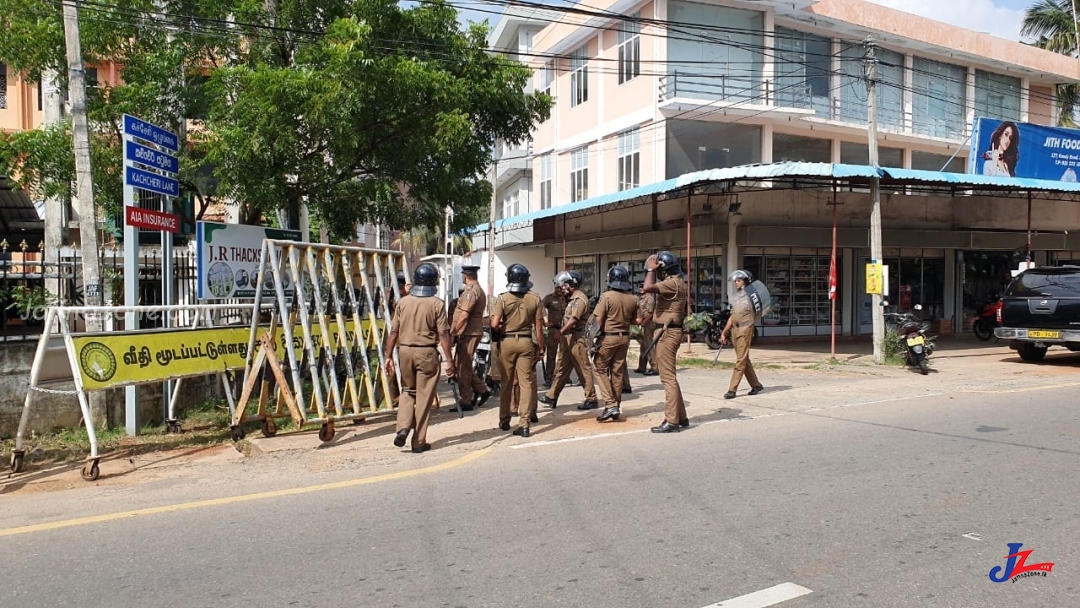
[917, 340]
[1052, 335]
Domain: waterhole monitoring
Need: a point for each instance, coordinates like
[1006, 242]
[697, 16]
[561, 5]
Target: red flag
[832, 277]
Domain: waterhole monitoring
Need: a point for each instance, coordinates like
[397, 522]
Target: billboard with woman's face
[1020, 149]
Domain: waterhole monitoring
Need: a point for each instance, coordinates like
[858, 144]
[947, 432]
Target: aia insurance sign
[1016, 566]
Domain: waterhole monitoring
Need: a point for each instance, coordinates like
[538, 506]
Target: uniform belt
[616, 333]
[518, 335]
[741, 325]
[671, 325]
[420, 345]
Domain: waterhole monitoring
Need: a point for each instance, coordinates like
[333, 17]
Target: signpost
[149, 166]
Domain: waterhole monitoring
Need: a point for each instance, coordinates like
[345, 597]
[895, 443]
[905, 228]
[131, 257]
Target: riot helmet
[568, 278]
[619, 278]
[517, 279]
[667, 265]
[746, 277]
[425, 281]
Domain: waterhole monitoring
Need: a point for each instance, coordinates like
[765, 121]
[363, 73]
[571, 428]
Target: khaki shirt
[555, 307]
[646, 305]
[473, 301]
[518, 312]
[578, 307]
[420, 320]
[619, 310]
[671, 301]
[742, 310]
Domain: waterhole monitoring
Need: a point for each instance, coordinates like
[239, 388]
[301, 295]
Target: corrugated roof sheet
[756, 172]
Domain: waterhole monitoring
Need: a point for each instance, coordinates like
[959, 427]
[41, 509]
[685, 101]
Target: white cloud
[977, 15]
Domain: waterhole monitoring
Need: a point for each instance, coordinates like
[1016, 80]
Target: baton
[717, 356]
[457, 395]
[659, 334]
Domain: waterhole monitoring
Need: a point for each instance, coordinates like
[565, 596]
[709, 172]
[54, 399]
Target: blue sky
[999, 17]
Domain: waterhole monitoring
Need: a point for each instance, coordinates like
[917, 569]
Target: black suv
[1041, 308]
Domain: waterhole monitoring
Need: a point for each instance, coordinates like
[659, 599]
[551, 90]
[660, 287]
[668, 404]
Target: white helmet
[741, 274]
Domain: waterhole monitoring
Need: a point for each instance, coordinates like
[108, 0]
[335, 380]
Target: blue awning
[789, 170]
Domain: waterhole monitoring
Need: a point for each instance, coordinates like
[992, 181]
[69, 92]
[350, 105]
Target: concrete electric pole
[875, 198]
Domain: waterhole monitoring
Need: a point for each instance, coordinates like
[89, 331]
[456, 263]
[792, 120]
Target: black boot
[399, 439]
[552, 403]
[522, 431]
[589, 405]
[609, 413]
[665, 427]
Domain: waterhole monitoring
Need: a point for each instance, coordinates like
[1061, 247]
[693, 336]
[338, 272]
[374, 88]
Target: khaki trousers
[551, 350]
[573, 355]
[666, 350]
[741, 339]
[648, 332]
[518, 359]
[420, 381]
[467, 381]
[611, 368]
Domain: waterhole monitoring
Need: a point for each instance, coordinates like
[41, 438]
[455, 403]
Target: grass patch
[700, 363]
[204, 424]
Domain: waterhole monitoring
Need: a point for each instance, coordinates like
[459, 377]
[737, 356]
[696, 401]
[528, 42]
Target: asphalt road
[882, 502]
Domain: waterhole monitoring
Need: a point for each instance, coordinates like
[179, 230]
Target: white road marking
[766, 597]
[973, 536]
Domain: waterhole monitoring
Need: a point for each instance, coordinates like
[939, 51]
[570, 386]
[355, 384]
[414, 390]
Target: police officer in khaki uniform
[741, 326]
[518, 313]
[646, 364]
[554, 308]
[419, 328]
[615, 312]
[663, 278]
[573, 350]
[467, 329]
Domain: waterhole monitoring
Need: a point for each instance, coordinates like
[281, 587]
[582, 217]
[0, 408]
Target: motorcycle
[911, 333]
[988, 318]
[717, 320]
[482, 357]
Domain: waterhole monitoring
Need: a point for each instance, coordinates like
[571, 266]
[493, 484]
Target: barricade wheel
[91, 471]
[16, 462]
[174, 427]
[269, 427]
[238, 433]
[326, 432]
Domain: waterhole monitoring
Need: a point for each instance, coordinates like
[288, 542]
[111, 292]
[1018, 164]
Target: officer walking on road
[616, 310]
[554, 308]
[418, 330]
[518, 313]
[663, 278]
[646, 364]
[741, 326]
[573, 351]
[467, 329]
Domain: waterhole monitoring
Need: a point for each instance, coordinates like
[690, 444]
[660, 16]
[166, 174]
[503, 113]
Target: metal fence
[30, 280]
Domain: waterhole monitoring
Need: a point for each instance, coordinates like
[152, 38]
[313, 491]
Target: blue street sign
[151, 181]
[151, 133]
[151, 157]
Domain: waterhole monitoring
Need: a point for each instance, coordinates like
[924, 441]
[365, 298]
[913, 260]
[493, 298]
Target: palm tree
[1052, 23]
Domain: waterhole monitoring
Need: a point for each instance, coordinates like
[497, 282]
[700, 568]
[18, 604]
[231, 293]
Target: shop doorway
[984, 274]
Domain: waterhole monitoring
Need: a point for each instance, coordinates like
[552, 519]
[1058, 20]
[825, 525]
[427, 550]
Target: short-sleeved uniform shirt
[578, 307]
[518, 312]
[742, 310]
[619, 310]
[473, 301]
[646, 305]
[420, 320]
[555, 307]
[670, 301]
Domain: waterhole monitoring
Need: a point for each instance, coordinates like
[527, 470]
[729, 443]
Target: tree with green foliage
[363, 110]
[1052, 24]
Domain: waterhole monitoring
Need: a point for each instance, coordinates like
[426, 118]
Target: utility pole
[84, 186]
[875, 197]
[56, 217]
[491, 229]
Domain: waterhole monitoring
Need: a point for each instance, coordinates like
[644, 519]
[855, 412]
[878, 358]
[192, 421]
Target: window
[630, 48]
[859, 154]
[928, 161]
[997, 96]
[803, 66]
[579, 76]
[3, 86]
[694, 145]
[511, 205]
[719, 59]
[579, 174]
[545, 181]
[629, 159]
[91, 78]
[889, 73]
[938, 99]
[801, 149]
[546, 79]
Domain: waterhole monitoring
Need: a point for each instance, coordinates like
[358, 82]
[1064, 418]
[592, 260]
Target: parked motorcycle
[717, 320]
[911, 333]
[989, 317]
[482, 357]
